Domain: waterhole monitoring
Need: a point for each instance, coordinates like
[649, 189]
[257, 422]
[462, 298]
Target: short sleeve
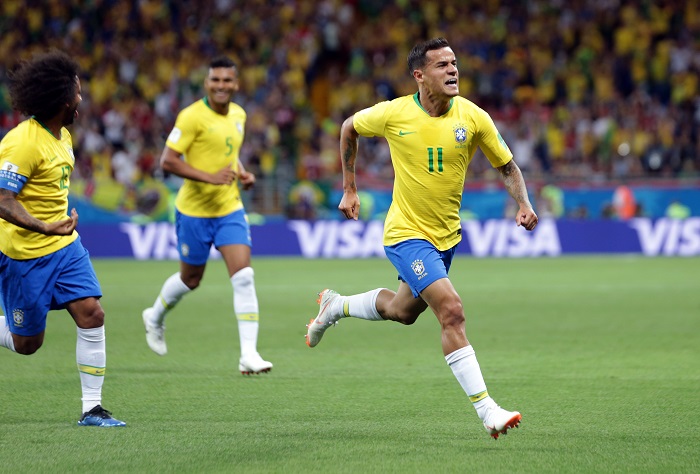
[371, 122]
[183, 133]
[491, 142]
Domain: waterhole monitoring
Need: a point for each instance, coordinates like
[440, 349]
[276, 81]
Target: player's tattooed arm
[515, 184]
[350, 203]
[349, 156]
[13, 212]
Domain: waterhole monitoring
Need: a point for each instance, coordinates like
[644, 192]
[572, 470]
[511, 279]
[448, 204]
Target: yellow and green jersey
[208, 141]
[37, 166]
[430, 156]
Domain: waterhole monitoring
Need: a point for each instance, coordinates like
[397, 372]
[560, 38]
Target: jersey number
[431, 159]
[65, 174]
[229, 145]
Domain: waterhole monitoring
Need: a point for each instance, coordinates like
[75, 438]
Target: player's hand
[350, 205]
[224, 176]
[247, 179]
[64, 227]
[526, 217]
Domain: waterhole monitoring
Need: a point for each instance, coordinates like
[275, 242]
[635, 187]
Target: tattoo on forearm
[349, 155]
[13, 212]
[514, 182]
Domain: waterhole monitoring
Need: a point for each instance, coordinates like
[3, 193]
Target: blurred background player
[209, 210]
[43, 265]
[433, 136]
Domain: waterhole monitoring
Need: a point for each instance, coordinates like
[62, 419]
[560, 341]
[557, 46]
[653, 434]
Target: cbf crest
[418, 267]
[18, 317]
[460, 133]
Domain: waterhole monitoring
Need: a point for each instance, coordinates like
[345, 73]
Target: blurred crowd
[588, 90]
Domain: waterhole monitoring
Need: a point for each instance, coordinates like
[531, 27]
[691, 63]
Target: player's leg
[460, 356]
[25, 298]
[78, 291]
[6, 339]
[380, 304]
[234, 242]
[195, 236]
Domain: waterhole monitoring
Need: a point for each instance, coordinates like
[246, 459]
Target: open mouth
[451, 82]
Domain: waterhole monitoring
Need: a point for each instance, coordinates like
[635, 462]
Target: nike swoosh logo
[402, 133]
[321, 313]
[51, 159]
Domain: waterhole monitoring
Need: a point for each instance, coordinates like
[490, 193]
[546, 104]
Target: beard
[70, 116]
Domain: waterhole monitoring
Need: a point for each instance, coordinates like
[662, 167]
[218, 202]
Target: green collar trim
[45, 127]
[416, 99]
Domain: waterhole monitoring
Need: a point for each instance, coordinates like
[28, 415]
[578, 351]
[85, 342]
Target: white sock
[466, 369]
[173, 290]
[363, 306]
[245, 305]
[5, 335]
[91, 357]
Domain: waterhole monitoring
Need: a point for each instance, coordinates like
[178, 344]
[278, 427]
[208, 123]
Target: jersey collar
[416, 98]
[45, 127]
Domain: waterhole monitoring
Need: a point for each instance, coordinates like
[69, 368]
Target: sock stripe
[479, 396]
[247, 317]
[163, 302]
[91, 370]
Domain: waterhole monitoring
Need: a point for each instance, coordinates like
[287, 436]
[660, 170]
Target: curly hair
[43, 86]
[417, 57]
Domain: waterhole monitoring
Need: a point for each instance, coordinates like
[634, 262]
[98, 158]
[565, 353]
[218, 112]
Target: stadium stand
[587, 93]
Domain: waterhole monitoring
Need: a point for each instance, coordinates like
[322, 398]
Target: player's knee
[97, 316]
[401, 315]
[192, 281]
[452, 314]
[90, 315]
[27, 346]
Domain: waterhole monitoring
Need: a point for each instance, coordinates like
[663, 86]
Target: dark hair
[44, 85]
[222, 61]
[417, 59]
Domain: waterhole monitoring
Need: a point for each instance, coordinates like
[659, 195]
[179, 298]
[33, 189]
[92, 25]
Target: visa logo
[668, 236]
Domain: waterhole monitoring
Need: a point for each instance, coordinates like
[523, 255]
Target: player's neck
[433, 105]
[53, 126]
[221, 109]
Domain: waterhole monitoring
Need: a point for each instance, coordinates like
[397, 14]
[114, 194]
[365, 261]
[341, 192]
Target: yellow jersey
[37, 166]
[430, 156]
[208, 141]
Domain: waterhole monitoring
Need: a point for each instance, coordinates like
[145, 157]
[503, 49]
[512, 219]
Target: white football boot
[324, 319]
[155, 334]
[253, 364]
[498, 421]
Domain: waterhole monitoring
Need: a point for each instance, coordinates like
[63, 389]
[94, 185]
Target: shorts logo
[18, 317]
[418, 267]
[185, 249]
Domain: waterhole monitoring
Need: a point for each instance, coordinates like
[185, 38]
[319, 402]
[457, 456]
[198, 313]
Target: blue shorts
[419, 263]
[29, 289]
[195, 235]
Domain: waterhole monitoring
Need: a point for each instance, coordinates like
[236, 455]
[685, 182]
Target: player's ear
[418, 75]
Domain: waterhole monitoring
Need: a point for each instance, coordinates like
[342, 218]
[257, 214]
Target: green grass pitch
[600, 354]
